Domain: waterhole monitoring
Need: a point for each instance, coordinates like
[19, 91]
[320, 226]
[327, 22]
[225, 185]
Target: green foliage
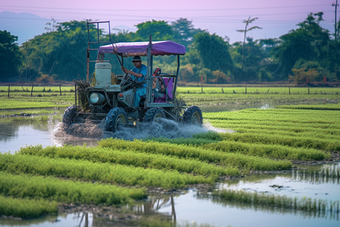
[87, 170]
[160, 30]
[60, 52]
[102, 155]
[10, 57]
[227, 159]
[26, 208]
[39, 187]
[214, 52]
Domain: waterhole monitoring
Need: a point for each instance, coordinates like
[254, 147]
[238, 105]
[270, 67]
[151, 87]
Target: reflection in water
[269, 209]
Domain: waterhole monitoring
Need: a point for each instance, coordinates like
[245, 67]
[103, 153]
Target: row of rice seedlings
[67, 191]
[323, 135]
[26, 208]
[315, 179]
[306, 204]
[310, 107]
[327, 172]
[227, 159]
[277, 115]
[278, 127]
[304, 142]
[102, 155]
[267, 209]
[183, 141]
[261, 150]
[34, 119]
[234, 122]
[104, 172]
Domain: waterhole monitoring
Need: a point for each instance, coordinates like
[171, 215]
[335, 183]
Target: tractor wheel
[193, 115]
[153, 114]
[69, 115]
[117, 116]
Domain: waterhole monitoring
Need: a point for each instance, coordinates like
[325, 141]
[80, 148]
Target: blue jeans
[138, 95]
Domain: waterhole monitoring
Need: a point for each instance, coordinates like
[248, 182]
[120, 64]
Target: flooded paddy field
[244, 143]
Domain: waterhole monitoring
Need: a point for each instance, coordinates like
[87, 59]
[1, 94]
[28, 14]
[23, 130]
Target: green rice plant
[11, 104]
[39, 187]
[227, 159]
[105, 172]
[267, 150]
[154, 161]
[26, 208]
[183, 141]
[278, 127]
[261, 150]
[311, 134]
[310, 107]
[34, 119]
[278, 201]
[304, 142]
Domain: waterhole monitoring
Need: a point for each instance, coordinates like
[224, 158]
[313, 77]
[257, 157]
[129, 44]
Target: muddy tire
[153, 114]
[193, 115]
[69, 115]
[116, 117]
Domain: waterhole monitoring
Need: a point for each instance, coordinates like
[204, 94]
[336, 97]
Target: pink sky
[217, 16]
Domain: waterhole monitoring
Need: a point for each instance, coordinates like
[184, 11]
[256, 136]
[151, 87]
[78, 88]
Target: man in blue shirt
[137, 74]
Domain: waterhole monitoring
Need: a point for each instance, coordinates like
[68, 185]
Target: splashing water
[162, 128]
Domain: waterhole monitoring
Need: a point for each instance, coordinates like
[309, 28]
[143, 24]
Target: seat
[169, 83]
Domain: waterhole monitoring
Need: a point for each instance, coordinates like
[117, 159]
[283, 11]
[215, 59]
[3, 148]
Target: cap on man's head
[136, 58]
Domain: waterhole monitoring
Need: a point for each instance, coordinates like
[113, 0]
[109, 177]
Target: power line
[185, 10]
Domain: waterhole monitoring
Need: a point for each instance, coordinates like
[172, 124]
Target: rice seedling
[306, 204]
[154, 161]
[105, 172]
[39, 187]
[26, 208]
[227, 159]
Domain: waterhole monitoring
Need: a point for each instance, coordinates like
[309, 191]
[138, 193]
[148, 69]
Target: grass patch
[26, 208]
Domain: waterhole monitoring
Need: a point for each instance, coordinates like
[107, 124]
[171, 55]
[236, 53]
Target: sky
[222, 17]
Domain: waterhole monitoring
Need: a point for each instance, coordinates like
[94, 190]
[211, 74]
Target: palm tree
[250, 20]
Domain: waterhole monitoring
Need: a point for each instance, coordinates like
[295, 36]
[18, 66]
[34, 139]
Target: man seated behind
[137, 74]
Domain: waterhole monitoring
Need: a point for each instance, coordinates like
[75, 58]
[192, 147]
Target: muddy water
[192, 206]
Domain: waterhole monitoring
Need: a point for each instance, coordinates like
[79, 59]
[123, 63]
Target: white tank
[103, 74]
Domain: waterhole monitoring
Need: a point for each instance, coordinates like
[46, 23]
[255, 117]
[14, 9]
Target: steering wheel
[126, 78]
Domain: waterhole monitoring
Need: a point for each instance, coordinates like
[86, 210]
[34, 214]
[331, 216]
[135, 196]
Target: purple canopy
[130, 49]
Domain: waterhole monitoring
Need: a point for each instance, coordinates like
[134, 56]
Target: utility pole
[336, 9]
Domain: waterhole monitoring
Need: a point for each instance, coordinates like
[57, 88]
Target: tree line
[307, 53]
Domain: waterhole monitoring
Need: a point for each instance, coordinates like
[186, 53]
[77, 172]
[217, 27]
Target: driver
[137, 74]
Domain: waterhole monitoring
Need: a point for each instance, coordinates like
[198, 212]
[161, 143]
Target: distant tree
[184, 31]
[10, 56]
[160, 30]
[61, 53]
[213, 51]
[308, 42]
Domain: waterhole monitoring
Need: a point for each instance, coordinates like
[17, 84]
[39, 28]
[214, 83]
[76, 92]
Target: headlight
[96, 98]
